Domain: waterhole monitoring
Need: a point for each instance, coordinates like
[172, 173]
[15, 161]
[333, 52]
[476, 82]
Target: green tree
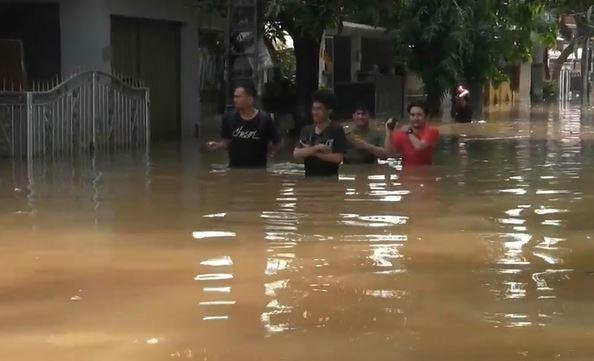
[509, 35]
[447, 42]
[432, 38]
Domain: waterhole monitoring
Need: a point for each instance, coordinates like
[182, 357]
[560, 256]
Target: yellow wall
[502, 95]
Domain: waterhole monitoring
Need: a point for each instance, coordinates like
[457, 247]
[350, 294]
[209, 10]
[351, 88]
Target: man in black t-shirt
[246, 133]
[322, 145]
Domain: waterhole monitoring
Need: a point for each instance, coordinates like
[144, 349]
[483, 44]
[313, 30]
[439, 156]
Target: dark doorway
[376, 52]
[342, 59]
[37, 26]
[150, 50]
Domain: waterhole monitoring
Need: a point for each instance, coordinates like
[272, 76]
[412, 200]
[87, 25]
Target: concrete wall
[85, 30]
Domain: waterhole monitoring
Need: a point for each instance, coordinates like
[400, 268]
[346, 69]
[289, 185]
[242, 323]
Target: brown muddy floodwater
[488, 255]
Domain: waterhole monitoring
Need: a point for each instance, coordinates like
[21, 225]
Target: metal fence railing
[565, 85]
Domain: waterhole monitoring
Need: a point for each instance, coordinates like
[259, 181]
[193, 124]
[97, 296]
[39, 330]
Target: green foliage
[551, 90]
[287, 63]
[431, 38]
[507, 35]
[309, 18]
[565, 7]
[472, 41]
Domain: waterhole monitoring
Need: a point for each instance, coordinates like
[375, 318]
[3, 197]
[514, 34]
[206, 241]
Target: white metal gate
[89, 112]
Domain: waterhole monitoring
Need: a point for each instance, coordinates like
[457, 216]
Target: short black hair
[361, 107]
[326, 97]
[418, 104]
[248, 87]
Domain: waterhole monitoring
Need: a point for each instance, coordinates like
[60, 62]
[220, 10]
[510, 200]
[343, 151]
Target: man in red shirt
[416, 141]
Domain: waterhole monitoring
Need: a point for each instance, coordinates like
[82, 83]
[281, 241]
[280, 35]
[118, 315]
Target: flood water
[488, 255]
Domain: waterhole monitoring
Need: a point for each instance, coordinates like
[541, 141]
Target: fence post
[30, 148]
[147, 120]
[564, 85]
[94, 111]
[567, 85]
[560, 86]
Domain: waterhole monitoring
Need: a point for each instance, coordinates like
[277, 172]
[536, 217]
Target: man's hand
[306, 150]
[358, 142]
[304, 145]
[212, 146]
[361, 144]
[390, 125]
[322, 148]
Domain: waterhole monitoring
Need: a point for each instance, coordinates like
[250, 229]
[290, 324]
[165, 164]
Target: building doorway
[150, 50]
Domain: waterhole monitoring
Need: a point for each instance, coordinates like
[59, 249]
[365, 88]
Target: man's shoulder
[230, 116]
[264, 116]
[375, 132]
[308, 129]
[336, 127]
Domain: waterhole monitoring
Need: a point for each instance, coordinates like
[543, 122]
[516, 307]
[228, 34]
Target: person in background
[248, 133]
[365, 143]
[416, 141]
[461, 108]
[321, 146]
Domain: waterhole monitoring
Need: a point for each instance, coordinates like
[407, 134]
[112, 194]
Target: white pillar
[321, 81]
[525, 81]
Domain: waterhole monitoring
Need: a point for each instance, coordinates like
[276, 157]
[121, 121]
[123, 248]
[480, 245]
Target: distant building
[358, 63]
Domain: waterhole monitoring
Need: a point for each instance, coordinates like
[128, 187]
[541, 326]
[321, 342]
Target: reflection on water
[487, 255]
